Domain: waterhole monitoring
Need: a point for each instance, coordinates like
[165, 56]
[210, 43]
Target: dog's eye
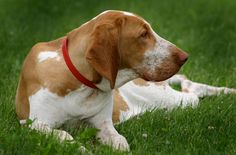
[144, 34]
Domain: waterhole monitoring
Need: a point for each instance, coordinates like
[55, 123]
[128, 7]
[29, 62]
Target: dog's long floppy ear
[103, 54]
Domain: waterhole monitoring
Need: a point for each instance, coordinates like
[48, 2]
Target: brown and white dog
[110, 50]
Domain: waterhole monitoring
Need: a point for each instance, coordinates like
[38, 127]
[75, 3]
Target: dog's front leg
[44, 128]
[202, 90]
[107, 133]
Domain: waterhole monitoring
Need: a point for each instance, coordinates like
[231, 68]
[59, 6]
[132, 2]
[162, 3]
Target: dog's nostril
[185, 59]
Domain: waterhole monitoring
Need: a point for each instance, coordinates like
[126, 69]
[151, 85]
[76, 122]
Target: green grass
[206, 29]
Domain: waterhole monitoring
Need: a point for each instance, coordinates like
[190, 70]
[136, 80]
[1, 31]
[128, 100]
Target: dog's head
[122, 40]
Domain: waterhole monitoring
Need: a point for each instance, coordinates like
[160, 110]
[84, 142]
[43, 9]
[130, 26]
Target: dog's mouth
[161, 73]
[158, 78]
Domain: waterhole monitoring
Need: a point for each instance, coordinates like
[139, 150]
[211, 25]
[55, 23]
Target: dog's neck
[77, 47]
[123, 76]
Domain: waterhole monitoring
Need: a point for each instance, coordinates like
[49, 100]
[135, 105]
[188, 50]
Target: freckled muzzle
[168, 67]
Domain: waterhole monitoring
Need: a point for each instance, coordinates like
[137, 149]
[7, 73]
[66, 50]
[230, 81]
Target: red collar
[72, 68]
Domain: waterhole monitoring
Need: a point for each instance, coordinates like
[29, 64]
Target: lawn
[206, 29]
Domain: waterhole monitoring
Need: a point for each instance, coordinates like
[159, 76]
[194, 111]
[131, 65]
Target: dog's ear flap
[103, 54]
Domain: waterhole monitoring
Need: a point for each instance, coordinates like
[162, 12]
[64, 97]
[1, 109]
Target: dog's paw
[229, 90]
[119, 142]
[63, 135]
[83, 150]
[202, 90]
[116, 141]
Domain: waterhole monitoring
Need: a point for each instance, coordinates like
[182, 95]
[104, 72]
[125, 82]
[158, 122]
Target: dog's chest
[55, 110]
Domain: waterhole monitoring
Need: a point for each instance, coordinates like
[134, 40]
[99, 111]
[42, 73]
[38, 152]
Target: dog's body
[110, 50]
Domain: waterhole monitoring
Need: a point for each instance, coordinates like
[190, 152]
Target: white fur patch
[128, 13]
[54, 110]
[123, 76]
[87, 22]
[124, 12]
[154, 58]
[105, 12]
[47, 55]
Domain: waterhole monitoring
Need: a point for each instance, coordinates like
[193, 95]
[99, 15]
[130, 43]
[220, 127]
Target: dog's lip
[147, 78]
[157, 79]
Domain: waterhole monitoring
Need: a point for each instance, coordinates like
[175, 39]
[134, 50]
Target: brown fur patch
[119, 105]
[185, 90]
[51, 74]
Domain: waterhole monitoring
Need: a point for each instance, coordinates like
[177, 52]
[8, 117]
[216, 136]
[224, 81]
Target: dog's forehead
[130, 16]
[136, 18]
